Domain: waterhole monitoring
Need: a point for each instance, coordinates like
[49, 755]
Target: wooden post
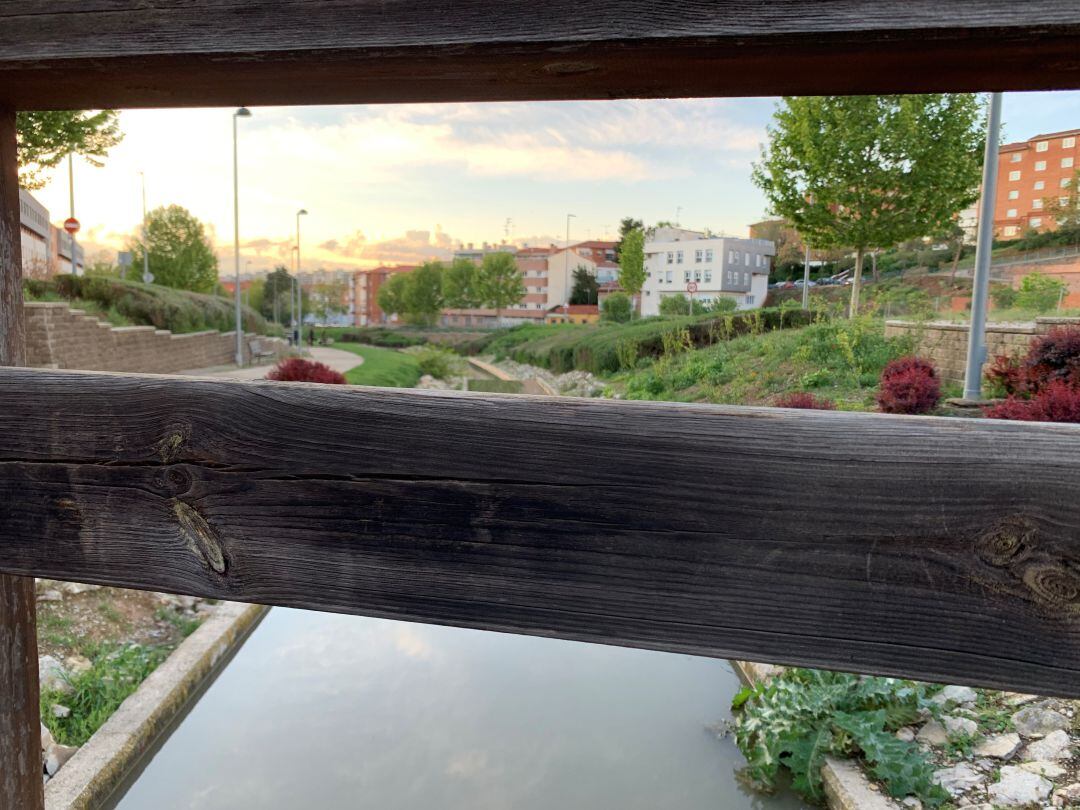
[20, 735]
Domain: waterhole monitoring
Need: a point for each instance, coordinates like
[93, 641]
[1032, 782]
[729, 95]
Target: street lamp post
[299, 287]
[243, 112]
[146, 277]
[566, 264]
[806, 279]
[71, 192]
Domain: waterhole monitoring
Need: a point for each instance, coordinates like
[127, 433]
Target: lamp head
[243, 112]
[302, 212]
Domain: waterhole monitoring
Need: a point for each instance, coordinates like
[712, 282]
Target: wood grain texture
[933, 548]
[20, 736]
[97, 53]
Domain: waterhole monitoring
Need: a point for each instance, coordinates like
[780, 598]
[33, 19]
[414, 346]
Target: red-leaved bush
[1006, 374]
[296, 369]
[804, 399]
[1056, 402]
[909, 385]
[1052, 357]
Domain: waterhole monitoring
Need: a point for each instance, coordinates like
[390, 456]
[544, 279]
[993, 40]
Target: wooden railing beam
[942, 549]
[20, 736]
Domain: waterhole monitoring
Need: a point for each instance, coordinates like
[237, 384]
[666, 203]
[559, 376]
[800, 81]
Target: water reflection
[324, 711]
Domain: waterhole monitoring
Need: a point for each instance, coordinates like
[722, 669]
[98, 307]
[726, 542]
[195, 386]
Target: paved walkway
[335, 358]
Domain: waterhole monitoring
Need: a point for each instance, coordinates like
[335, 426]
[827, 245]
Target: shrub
[1003, 296]
[437, 362]
[676, 305]
[909, 385]
[722, 303]
[804, 399]
[1039, 292]
[1054, 356]
[296, 369]
[617, 308]
[1057, 402]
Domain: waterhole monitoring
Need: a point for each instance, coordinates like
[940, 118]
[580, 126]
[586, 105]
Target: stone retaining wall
[60, 337]
[945, 343]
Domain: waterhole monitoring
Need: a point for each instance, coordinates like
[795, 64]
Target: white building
[34, 221]
[721, 266]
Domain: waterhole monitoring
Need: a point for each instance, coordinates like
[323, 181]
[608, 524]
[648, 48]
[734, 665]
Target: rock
[1043, 767]
[46, 738]
[1069, 792]
[1038, 721]
[77, 664]
[912, 803]
[959, 778]
[1019, 788]
[956, 695]
[999, 746]
[50, 596]
[60, 711]
[51, 675]
[907, 734]
[75, 588]
[56, 756]
[1019, 698]
[961, 727]
[933, 733]
[1055, 745]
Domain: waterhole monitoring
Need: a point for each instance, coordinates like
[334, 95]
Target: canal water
[320, 712]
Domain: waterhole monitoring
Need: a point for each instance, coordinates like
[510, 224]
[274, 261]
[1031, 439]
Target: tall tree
[867, 172]
[500, 282]
[391, 295]
[277, 288]
[461, 285]
[1065, 209]
[586, 289]
[180, 253]
[422, 297]
[328, 298]
[626, 225]
[632, 262]
[47, 137]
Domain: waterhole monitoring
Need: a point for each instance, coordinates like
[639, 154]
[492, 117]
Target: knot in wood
[1056, 584]
[1007, 543]
[199, 537]
[175, 481]
[172, 443]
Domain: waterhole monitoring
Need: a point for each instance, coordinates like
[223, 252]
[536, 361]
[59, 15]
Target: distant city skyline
[400, 183]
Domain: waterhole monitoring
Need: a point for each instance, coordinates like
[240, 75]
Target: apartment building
[1030, 174]
[720, 266]
[364, 289]
[35, 235]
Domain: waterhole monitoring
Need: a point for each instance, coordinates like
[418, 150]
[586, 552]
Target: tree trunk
[956, 259]
[856, 283]
[873, 265]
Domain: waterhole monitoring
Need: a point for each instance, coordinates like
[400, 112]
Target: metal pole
[241, 113]
[299, 286]
[71, 191]
[146, 247]
[566, 265]
[980, 283]
[806, 279]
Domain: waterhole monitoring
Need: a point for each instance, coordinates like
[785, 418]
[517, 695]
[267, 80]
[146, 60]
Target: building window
[667, 277]
[1067, 163]
[733, 256]
[1009, 230]
[697, 256]
[678, 257]
[1040, 185]
[708, 276]
[1065, 181]
[1063, 201]
[749, 299]
[686, 275]
[697, 275]
[1011, 213]
[708, 254]
[1040, 165]
[1014, 195]
[1036, 222]
[1037, 203]
[1068, 143]
[1016, 157]
[1042, 146]
[727, 276]
[746, 256]
[670, 257]
[1014, 175]
[745, 278]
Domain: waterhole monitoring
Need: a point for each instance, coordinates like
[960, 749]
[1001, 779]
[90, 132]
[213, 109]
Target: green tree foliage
[391, 296]
[461, 285]
[500, 281]
[617, 308]
[625, 226]
[632, 262]
[866, 172]
[328, 299]
[1065, 209]
[1040, 292]
[676, 305]
[277, 292]
[181, 255]
[586, 288]
[422, 295]
[47, 137]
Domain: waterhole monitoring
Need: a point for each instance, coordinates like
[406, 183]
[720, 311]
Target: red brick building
[365, 293]
[1031, 173]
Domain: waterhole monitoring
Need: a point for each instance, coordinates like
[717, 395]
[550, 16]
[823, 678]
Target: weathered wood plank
[20, 738]
[934, 548]
[74, 53]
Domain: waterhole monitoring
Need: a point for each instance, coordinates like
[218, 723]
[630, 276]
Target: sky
[401, 183]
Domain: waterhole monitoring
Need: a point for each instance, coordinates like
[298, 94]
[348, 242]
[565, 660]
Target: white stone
[933, 733]
[51, 674]
[961, 727]
[1037, 721]
[956, 695]
[50, 596]
[911, 802]
[1019, 698]
[77, 664]
[1055, 745]
[46, 738]
[999, 746]
[907, 734]
[75, 588]
[1051, 770]
[1019, 788]
[60, 711]
[959, 778]
[1069, 792]
[56, 756]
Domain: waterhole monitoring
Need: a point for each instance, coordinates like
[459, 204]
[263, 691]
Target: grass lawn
[382, 367]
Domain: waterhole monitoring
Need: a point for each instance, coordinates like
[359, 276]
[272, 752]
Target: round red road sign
[691, 286]
[71, 225]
